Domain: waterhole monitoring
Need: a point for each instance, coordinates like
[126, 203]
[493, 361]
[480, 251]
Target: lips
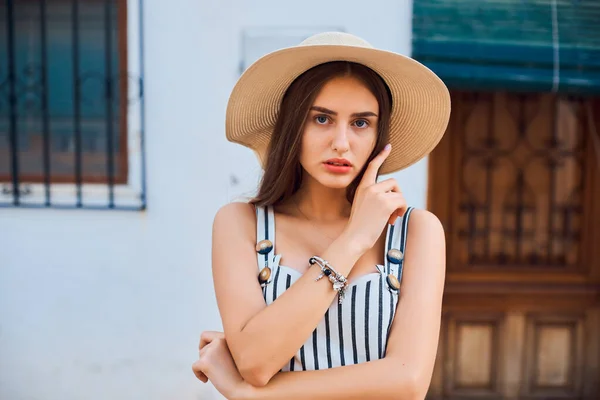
[338, 162]
[338, 166]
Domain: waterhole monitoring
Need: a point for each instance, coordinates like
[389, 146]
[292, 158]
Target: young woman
[346, 300]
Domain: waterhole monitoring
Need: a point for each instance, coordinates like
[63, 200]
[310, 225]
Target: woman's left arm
[406, 370]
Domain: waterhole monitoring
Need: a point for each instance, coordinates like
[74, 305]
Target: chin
[335, 182]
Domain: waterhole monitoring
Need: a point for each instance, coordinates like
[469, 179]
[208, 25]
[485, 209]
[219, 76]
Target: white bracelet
[339, 281]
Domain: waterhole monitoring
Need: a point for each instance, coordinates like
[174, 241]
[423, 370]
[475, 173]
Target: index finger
[370, 176]
[196, 367]
[209, 336]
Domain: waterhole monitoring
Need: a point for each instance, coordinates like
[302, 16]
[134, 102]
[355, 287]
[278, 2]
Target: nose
[340, 142]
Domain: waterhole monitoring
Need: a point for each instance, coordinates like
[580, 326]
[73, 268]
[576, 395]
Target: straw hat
[420, 100]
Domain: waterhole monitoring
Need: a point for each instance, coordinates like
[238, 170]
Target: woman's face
[340, 132]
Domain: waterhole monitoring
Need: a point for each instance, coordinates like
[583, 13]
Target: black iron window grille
[71, 104]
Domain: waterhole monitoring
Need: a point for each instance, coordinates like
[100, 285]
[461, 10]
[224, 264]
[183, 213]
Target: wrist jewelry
[339, 281]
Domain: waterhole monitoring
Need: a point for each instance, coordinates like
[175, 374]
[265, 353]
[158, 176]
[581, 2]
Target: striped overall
[354, 331]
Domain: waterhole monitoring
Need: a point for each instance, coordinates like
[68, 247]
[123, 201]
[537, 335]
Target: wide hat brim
[420, 100]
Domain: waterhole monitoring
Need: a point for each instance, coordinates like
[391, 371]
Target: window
[71, 104]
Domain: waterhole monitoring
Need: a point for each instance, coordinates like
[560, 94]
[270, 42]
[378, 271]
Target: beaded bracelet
[339, 281]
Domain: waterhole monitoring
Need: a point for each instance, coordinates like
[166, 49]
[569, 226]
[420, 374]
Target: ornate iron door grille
[521, 176]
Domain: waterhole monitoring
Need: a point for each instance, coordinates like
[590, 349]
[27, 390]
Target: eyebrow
[330, 112]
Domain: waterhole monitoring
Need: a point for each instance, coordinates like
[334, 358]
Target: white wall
[109, 305]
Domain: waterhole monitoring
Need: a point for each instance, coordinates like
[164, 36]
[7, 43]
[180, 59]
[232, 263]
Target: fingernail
[387, 146]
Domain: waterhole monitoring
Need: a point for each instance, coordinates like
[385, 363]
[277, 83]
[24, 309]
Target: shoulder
[425, 225]
[235, 210]
[426, 246]
[240, 215]
[423, 219]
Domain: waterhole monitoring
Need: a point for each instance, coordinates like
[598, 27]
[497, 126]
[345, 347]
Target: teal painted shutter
[522, 45]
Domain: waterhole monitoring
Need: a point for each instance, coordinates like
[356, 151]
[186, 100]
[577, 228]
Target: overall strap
[395, 246]
[392, 233]
[265, 239]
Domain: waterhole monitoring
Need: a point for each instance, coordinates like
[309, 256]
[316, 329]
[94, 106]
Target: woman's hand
[375, 204]
[216, 364]
[205, 338]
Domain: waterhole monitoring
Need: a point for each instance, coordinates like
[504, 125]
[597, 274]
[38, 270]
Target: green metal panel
[524, 45]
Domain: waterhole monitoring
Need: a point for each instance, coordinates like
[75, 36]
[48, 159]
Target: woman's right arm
[262, 339]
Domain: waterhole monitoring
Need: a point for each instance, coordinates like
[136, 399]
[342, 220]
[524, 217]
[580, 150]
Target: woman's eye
[361, 123]
[321, 119]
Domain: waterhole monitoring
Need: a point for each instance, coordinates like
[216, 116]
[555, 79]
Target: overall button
[395, 256]
[392, 282]
[264, 275]
[264, 246]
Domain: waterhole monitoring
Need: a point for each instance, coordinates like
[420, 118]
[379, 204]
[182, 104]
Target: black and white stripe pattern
[353, 332]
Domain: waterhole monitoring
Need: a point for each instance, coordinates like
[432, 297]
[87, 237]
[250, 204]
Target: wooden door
[516, 184]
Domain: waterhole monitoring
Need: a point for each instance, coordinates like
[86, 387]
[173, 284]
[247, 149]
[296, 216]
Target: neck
[322, 204]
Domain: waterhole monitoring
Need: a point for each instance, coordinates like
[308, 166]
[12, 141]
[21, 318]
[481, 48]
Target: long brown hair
[283, 171]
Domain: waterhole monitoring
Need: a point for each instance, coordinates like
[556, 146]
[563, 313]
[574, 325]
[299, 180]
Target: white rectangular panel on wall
[256, 42]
